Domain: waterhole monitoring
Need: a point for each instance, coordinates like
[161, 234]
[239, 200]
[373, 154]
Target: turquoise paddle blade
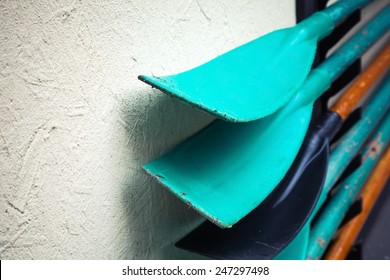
[227, 169]
[258, 78]
[247, 83]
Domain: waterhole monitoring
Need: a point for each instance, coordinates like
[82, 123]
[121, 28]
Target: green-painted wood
[350, 51]
[259, 77]
[335, 211]
[228, 169]
[347, 148]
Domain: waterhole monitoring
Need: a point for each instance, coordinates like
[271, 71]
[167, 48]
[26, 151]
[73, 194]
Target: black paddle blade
[269, 228]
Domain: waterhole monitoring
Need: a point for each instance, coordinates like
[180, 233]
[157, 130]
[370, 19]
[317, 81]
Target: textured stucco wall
[76, 125]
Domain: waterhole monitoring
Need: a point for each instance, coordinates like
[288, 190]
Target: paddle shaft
[335, 210]
[321, 24]
[348, 234]
[339, 11]
[360, 42]
[329, 125]
[350, 144]
[361, 86]
[339, 158]
[344, 56]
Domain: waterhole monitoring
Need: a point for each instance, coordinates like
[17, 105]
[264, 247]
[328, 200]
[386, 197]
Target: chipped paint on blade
[183, 196]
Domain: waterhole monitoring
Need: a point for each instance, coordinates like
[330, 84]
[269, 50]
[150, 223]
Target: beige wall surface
[76, 125]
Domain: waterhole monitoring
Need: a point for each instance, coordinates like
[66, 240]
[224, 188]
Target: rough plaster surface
[76, 125]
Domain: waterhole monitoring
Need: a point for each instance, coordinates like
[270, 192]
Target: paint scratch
[267, 245]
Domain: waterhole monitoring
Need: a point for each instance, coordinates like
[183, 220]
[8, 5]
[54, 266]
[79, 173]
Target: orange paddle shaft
[361, 86]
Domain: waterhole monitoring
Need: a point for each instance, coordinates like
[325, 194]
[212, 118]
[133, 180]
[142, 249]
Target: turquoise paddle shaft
[332, 67]
[349, 145]
[351, 50]
[338, 206]
[323, 22]
[341, 9]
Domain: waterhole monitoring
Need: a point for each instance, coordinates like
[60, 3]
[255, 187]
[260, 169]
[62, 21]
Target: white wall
[76, 125]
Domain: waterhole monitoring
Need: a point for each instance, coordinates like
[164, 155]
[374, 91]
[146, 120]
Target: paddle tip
[150, 169]
[150, 80]
[161, 84]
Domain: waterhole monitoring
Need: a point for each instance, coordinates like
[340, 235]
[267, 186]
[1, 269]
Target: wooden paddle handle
[362, 85]
[369, 194]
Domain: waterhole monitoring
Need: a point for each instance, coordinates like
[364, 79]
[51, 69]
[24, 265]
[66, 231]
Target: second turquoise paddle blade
[226, 170]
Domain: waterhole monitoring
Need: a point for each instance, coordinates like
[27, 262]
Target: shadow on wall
[156, 219]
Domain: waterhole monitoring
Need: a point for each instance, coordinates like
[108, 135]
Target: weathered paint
[349, 145]
[350, 51]
[267, 71]
[213, 167]
[347, 148]
[335, 210]
[342, 244]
